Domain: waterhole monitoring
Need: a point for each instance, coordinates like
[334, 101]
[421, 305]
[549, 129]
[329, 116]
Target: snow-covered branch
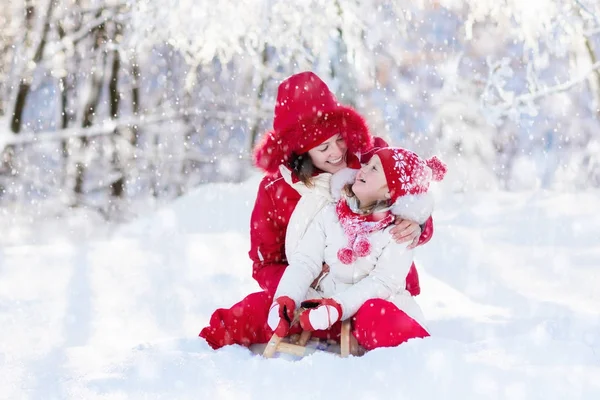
[512, 105]
[591, 32]
[587, 11]
[557, 88]
[113, 6]
[70, 40]
[108, 127]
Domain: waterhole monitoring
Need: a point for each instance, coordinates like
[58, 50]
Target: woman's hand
[406, 231]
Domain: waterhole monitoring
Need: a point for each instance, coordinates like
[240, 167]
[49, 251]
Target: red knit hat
[408, 178]
[307, 114]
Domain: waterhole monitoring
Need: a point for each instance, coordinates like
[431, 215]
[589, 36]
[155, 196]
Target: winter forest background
[118, 106]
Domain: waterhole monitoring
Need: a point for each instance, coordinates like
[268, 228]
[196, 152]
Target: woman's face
[330, 156]
[370, 184]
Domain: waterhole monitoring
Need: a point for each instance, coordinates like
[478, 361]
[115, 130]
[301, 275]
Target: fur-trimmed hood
[306, 114]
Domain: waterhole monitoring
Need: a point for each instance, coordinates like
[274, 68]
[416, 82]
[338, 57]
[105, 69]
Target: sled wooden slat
[294, 349]
[345, 339]
[355, 350]
[272, 346]
[304, 337]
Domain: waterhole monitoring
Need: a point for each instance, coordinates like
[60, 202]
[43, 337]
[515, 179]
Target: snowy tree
[549, 72]
[117, 106]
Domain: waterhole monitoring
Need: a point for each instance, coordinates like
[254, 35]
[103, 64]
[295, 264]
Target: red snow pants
[378, 323]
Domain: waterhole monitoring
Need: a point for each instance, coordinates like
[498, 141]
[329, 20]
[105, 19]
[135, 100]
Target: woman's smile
[337, 161]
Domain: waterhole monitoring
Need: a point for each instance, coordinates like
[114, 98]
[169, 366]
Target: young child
[367, 268]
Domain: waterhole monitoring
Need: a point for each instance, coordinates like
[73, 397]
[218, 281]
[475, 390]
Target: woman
[313, 137]
[368, 268]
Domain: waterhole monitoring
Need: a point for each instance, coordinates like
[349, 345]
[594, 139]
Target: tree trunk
[24, 88]
[341, 69]
[135, 98]
[89, 111]
[64, 123]
[259, 98]
[25, 84]
[64, 117]
[595, 87]
[117, 188]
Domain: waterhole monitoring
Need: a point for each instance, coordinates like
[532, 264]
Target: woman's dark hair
[302, 167]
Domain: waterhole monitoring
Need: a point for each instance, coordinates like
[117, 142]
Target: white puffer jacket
[312, 201]
[382, 274]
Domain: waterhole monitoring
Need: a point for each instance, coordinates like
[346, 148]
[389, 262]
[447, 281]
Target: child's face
[370, 184]
[330, 156]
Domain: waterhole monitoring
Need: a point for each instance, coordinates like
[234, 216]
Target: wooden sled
[301, 346]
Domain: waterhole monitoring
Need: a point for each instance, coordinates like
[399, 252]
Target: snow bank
[509, 286]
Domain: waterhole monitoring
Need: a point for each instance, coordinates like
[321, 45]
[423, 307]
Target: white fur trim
[320, 183]
[286, 174]
[340, 179]
[415, 207]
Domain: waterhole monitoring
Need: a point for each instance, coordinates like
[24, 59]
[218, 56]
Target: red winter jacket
[274, 205]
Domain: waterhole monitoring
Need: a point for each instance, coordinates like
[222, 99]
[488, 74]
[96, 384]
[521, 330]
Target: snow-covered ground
[510, 285]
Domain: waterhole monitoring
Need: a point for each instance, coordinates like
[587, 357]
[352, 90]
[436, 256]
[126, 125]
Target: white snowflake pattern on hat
[399, 158]
[405, 182]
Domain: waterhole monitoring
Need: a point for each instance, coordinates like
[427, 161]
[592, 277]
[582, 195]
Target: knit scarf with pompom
[357, 228]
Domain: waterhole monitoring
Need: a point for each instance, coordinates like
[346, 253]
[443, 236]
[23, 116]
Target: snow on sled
[300, 346]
